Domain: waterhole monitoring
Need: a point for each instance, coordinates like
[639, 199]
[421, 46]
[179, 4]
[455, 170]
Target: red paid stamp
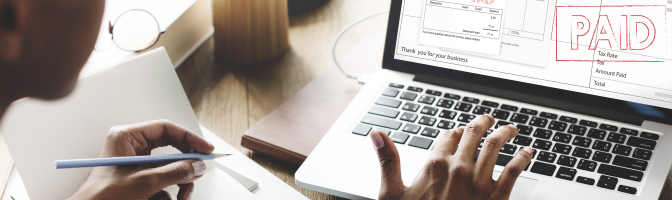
[639, 31]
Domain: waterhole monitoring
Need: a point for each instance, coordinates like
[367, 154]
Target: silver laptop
[596, 135]
[38, 132]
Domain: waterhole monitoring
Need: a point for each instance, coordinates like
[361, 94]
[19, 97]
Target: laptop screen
[591, 47]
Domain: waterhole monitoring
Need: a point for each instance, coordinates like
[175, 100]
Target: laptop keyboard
[564, 146]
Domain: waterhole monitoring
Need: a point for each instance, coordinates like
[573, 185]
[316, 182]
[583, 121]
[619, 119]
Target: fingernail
[528, 149]
[199, 168]
[512, 126]
[489, 115]
[377, 140]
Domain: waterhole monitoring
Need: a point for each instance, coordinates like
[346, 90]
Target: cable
[363, 77]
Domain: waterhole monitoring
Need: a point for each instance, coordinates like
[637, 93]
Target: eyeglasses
[134, 30]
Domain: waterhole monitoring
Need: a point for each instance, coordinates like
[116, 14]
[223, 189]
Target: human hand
[145, 181]
[454, 176]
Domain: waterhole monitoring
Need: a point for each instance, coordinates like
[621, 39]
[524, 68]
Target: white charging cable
[365, 76]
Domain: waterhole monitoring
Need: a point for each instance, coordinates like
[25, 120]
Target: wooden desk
[229, 98]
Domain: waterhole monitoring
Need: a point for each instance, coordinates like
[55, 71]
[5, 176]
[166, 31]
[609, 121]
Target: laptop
[140, 89]
[595, 135]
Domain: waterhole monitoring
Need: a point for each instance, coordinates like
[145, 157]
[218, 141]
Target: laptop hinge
[532, 99]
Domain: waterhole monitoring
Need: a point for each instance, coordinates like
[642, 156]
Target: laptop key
[451, 96]
[641, 154]
[582, 141]
[384, 101]
[585, 180]
[411, 128]
[420, 142]
[385, 112]
[409, 117]
[522, 140]
[588, 123]
[538, 122]
[399, 137]
[557, 126]
[382, 122]
[428, 110]
[608, 127]
[629, 131]
[500, 114]
[630, 163]
[577, 130]
[582, 153]
[464, 107]
[479, 110]
[445, 124]
[490, 103]
[411, 107]
[602, 157]
[607, 182]
[466, 118]
[543, 168]
[562, 137]
[561, 148]
[627, 189]
[525, 130]
[566, 173]
[587, 165]
[569, 119]
[567, 161]
[620, 172]
[396, 85]
[529, 111]
[597, 134]
[427, 120]
[509, 107]
[519, 118]
[548, 115]
[542, 144]
[508, 149]
[601, 146]
[427, 99]
[471, 100]
[386, 131]
[648, 135]
[417, 89]
[447, 114]
[362, 129]
[501, 123]
[542, 133]
[622, 150]
[445, 103]
[616, 138]
[546, 157]
[430, 132]
[433, 92]
[408, 96]
[390, 92]
[642, 143]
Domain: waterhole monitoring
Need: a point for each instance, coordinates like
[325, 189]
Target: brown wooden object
[250, 31]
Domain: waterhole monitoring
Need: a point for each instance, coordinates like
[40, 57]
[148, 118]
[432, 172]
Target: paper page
[215, 184]
[474, 25]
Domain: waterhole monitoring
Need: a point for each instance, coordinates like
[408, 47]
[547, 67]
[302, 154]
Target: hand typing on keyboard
[452, 172]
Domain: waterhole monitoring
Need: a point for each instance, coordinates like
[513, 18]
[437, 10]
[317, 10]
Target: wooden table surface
[229, 98]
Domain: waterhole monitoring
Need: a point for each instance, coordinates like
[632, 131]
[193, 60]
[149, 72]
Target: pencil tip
[219, 155]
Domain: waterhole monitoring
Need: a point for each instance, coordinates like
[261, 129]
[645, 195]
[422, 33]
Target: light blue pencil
[132, 160]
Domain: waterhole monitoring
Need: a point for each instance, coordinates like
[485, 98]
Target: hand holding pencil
[147, 180]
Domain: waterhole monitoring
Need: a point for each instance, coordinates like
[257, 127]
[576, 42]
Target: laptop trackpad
[523, 188]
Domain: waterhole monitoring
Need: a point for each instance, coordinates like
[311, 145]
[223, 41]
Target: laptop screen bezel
[389, 62]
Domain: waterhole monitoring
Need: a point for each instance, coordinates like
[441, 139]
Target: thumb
[391, 185]
[179, 172]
